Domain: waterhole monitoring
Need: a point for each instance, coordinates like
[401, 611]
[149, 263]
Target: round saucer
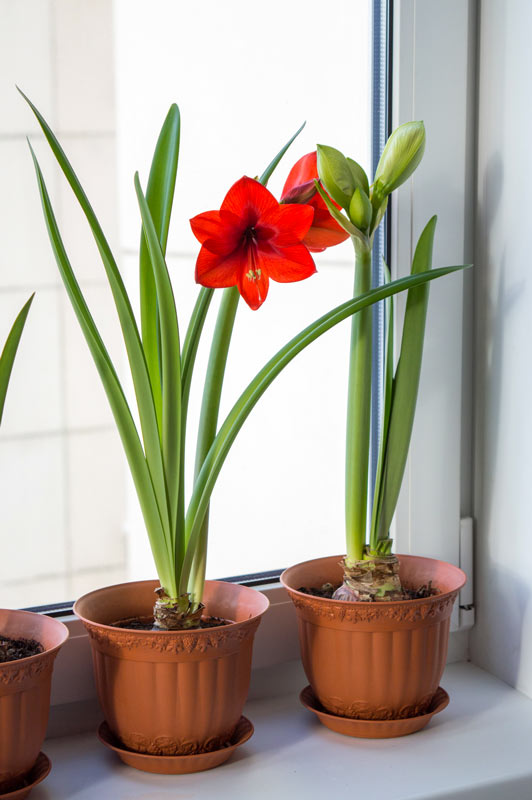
[373, 729]
[176, 765]
[37, 773]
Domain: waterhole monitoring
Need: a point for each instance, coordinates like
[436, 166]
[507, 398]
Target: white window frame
[434, 79]
[432, 500]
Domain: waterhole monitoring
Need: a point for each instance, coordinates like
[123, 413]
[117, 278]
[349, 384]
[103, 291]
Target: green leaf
[170, 359]
[386, 411]
[159, 196]
[160, 541]
[10, 350]
[210, 408]
[137, 361]
[192, 339]
[406, 383]
[268, 172]
[226, 435]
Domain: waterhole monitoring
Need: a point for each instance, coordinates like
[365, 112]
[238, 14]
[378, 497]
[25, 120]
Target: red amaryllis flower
[251, 239]
[299, 188]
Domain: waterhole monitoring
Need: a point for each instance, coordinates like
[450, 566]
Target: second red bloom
[300, 188]
[251, 239]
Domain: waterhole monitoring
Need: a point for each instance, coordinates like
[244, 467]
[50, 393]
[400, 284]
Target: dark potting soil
[146, 623]
[13, 649]
[327, 591]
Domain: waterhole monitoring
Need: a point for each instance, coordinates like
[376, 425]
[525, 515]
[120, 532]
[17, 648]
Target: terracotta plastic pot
[374, 661]
[172, 692]
[25, 693]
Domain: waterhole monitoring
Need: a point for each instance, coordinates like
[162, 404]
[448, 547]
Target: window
[244, 82]
[279, 498]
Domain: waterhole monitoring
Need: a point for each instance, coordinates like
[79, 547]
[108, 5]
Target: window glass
[104, 74]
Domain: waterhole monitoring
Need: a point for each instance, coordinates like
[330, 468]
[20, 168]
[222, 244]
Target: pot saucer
[176, 765]
[373, 729]
[37, 773]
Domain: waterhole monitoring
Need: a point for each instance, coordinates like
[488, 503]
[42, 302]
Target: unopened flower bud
[359, 176]
[402, 154]
[360, 210]
[301, 193]
[335, 175]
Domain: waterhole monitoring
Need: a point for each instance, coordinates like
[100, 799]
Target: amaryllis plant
[251, 239]
[371, 570]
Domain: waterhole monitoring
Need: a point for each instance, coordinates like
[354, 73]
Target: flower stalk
[371, 570]
[358, 412]
[208, 423]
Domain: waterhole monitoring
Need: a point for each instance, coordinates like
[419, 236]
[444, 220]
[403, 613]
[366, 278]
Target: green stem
[208, 424]
[358, 412]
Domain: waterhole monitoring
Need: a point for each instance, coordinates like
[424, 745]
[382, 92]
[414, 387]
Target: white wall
[502, 640]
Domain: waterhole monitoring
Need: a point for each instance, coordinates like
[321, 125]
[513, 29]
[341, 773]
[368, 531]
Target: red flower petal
[304, 170]
[291, 223]
[205, 225]
[325, 231]
[286, 264]
[248, 200]
[216, 271]
[253, 281]
[219, 232]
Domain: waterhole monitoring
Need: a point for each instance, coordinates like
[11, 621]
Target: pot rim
[59, 626]
[196, 631]
[376, 603]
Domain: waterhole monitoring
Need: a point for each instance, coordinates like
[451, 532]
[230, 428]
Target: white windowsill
[476, 748]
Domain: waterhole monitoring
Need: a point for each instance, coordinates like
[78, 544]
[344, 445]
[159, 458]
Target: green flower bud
[335, 175]
[402, 154]
[360, 210]
[359, 176]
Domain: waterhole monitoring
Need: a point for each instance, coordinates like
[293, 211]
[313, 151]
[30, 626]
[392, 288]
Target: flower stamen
[254, 274]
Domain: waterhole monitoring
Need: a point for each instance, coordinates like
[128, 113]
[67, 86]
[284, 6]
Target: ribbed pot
[25, 693]
[172, 692]
[381, 660]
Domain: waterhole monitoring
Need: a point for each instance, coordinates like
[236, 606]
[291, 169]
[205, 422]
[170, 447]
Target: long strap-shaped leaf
[170, 359]
[268, 172]
[188, 359]
[192, 338]
[159, 197]
[137, 361]
[406, 383]
[208, 423]
[10, 350]
[387, 407]
[160, 541]
[248, 399]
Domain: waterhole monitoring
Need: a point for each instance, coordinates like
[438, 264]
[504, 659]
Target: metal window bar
[381, 129]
